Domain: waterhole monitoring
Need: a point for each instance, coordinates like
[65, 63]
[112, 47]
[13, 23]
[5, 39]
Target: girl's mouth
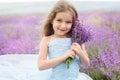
[61, 29]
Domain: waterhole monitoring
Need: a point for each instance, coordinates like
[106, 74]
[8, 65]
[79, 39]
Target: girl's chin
[61, 35]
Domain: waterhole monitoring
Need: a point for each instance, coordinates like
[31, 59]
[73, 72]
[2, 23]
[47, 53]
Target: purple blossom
[94, 62]
[111, 58]
[81, 33]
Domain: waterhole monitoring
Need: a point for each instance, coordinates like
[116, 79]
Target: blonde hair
[60, 6]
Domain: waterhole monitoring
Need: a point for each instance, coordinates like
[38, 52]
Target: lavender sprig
[80, 34]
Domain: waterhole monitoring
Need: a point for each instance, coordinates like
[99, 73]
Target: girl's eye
[68, 22]
[59, 20]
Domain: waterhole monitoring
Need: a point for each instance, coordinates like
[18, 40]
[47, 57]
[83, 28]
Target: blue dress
[56, 47]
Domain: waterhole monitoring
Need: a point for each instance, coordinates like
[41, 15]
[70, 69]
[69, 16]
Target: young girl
[56, 44]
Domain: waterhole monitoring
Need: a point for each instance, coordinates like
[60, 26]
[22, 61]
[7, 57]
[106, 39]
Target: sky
[43, 6]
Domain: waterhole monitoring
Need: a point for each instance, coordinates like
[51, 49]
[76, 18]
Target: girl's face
[62, 24]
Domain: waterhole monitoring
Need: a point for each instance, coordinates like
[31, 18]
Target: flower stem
[68, 62]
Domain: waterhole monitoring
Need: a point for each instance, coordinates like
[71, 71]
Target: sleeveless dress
[56, 47]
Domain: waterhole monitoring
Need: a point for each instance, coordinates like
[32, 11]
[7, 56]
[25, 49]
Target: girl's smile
[62, 30]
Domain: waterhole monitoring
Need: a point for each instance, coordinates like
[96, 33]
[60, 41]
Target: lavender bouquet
[80, 34]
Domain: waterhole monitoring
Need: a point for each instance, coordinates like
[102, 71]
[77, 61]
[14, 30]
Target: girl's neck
[55, 36]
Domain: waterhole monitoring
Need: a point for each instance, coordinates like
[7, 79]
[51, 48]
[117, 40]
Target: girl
[56, 43]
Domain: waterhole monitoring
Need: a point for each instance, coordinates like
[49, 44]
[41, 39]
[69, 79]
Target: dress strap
[51, 38]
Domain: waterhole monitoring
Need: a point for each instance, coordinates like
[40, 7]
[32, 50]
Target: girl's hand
[81, 52]
[68, 53]
[76, 48]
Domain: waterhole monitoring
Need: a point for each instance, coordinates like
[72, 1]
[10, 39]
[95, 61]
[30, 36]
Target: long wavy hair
[60, 6]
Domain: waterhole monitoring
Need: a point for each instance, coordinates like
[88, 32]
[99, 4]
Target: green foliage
[68, 62]
[96, 74]
[93, 50]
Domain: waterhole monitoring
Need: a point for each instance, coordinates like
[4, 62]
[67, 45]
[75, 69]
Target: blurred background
[20, 31]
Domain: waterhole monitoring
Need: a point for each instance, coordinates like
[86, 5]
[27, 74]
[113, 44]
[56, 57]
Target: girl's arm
[81, 52]
[43, 63]
[87, 57]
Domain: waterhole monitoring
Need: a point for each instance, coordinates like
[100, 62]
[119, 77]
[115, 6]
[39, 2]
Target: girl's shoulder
[46, 40]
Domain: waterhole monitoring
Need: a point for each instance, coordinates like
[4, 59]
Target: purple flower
[111, 58]
[81, 33]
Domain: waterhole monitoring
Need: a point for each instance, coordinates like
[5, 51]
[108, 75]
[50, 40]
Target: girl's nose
[63, 26]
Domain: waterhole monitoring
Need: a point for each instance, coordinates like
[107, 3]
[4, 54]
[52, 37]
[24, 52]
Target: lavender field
[104, 48]
[20, 34]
